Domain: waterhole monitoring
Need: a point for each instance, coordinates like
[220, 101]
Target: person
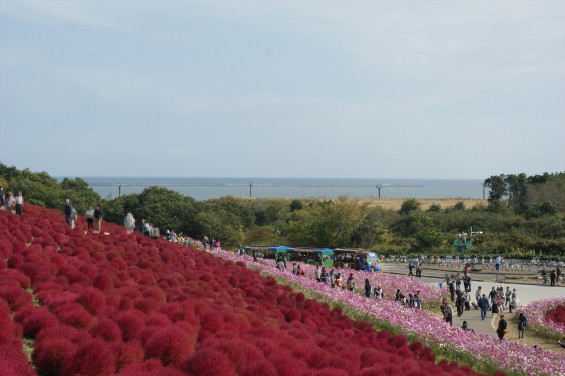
[465, 327]
[339, 280]
[492, 295]
[507, 297]
[351, 282]
[9, 202]
[255, 255]
[498, 262]
[452, 289]
[514, 302]
[502, 328]
[19, 200]
[478, 294]
[68, 210]
[419, 270]
[449, 315]
[90, 217]
[483, 305]
[299, 271]
[74, 217]
[459, 303]
[332, 278]
[129, 222]
[378, 293]
[552, 277]
[417, 301]
[294, 268]
[281, 263]
[522, 323]
[410, 268]
[318, 273]
[324, 275]
[367, 288]
[98, 218]
[206, 242]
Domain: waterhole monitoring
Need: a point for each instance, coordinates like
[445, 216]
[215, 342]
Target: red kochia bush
[170, 345]
[13, 362]
[92, 300]
[106, 329]
[127, 353]
[130, 322]
[208, 362]
[94, 358]
[48, 355]
[38, 319]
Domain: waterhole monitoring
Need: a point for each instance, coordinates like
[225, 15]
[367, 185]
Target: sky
[306, 89]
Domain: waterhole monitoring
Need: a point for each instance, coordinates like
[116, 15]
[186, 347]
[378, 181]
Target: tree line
[525, 216]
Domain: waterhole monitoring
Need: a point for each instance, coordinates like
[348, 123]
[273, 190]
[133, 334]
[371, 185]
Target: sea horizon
[203, 188]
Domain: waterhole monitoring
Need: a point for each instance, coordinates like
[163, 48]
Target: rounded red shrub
[103, 281]
[15, 296]
[106, 329]
[170, 345]
[130, 322]
[92, 300]
[261, 367]
[16, 261]
[127, 353]
[48, 355]
[208, 362]
[241, 353]
[74, 315]
[158, 319]
[13, 362]
[94, 358]
[38, 319]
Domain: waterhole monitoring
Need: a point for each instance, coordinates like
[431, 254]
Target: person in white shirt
[90, 217]
[19, 200]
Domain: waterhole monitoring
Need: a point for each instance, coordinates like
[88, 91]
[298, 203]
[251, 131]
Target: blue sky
[368, 89]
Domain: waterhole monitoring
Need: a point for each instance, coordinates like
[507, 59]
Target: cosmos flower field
[118, 303]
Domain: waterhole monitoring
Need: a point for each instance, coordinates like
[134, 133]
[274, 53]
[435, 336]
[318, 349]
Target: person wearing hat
[502, 328]
[465, 327]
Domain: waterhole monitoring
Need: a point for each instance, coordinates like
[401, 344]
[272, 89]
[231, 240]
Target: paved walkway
[526, 293]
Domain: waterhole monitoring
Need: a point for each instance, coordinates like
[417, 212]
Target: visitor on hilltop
[98, 218]
[19, 201]
[515, 302]
[68, 210]
[294, 268]
[318, 273]
[90, 218]
[419, 270]
[522, 324]
[299, 271]
[129, 222]
[502, 328]
[9, 202]
[281, 263]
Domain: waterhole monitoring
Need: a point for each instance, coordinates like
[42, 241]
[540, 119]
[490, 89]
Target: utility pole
[250, 185]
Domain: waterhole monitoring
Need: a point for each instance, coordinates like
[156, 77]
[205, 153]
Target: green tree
[409, 205]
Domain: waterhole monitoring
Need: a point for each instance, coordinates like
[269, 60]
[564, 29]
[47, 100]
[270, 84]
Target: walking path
[527, 292]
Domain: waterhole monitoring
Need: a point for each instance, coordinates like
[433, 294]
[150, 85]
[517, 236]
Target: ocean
[208, 188]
